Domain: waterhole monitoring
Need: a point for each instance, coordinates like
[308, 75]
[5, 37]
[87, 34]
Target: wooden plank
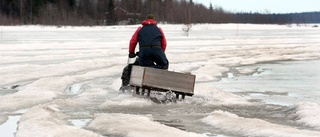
[162, 79]
[169, 80]
[136, 78]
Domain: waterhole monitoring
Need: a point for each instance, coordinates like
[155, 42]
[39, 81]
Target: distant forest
[112, 12]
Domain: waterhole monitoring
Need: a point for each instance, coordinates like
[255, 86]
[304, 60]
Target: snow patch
[234, 124]
[307, 113]
[46, 121]
[209, 72]
[135, 126]
[3, 119]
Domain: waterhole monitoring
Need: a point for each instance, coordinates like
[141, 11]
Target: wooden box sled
[162, 80]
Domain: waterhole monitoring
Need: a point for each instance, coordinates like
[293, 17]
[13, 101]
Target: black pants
[153, 56]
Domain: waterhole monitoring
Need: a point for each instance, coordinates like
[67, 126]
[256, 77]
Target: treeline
[258, 18]
[110, 12]
[51, 12]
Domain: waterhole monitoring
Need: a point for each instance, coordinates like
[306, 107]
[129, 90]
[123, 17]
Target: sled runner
[146, 78]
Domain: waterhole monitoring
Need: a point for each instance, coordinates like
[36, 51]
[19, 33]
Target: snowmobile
[125, 77]
[159, 85]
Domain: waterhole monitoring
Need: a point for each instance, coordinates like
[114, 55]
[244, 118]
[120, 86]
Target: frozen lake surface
[252, 80]
[283, 83]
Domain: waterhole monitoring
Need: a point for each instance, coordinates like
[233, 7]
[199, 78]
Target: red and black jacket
[148, 34]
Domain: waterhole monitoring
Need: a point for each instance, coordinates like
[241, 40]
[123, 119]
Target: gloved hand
[132, 55]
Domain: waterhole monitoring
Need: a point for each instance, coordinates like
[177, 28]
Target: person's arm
[163, 41]
[134, 41]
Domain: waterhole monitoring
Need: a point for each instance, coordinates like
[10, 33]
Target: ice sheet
[40, 64]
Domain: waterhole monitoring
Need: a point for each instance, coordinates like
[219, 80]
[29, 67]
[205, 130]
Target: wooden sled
[146, 78]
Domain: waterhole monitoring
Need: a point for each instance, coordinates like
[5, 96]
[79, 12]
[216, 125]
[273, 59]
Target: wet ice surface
[80, 122]
[251, 82]
[9, 128]
[283, 83]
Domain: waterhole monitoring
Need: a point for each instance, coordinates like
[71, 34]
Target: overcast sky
[272, 6]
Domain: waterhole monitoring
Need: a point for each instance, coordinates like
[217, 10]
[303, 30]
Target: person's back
[152, 44]
[149, 35]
